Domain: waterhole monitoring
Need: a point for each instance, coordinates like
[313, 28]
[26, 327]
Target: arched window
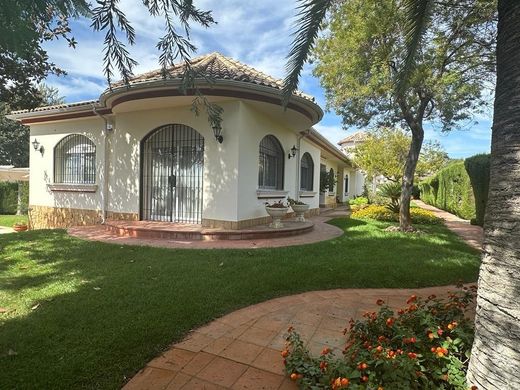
[307, 173]
[75, 160]
[270, 164]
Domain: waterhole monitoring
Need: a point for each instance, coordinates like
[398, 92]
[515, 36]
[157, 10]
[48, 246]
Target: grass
[88, 315]
[10, 220]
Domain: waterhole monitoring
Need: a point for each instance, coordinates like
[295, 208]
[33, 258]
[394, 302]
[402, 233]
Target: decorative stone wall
[43, 217]
[248, 223]
[122, 216]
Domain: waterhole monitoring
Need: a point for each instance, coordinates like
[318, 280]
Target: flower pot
[299, 210]
[277, 214]
[20, 228]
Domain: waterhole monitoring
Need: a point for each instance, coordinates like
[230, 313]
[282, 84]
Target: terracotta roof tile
[358, 136]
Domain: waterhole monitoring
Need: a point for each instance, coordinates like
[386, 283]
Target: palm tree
[495, 359]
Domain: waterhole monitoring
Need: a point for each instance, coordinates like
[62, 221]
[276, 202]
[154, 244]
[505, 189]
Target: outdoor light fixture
[36, 146]
[292, 152]
[217, 131]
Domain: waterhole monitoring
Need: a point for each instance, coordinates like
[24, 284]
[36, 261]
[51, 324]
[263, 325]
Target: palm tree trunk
[495, 359]
[405, 220]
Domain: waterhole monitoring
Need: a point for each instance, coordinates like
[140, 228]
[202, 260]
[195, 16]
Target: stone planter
[299, 210]
[277, 214]
[20, 228]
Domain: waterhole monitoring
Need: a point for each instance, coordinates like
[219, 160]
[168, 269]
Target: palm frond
[311, 14]
[418, 14]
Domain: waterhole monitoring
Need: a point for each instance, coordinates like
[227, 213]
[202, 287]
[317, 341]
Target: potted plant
[276, 210]
[299, 209]
[20, 227]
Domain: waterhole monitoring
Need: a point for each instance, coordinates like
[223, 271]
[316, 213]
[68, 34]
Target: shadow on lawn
[105, 310]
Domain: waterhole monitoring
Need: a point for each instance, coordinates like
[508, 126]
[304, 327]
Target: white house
[140, 152]
[355, 181]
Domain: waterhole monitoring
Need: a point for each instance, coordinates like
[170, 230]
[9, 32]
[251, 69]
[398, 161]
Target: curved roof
[215, 75]
[213, 67]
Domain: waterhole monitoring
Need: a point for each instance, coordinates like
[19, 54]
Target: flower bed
[425, 345]
[381, 213]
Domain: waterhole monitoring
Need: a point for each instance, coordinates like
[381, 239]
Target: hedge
[450, 190]
[478, 168]
[9, 197]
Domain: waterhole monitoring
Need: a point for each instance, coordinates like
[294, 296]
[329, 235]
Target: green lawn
[88, 315]
[10, 220]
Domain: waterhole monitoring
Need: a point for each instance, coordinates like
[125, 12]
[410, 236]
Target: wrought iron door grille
[172, 172]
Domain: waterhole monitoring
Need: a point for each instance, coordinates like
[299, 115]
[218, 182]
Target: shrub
[8, 197]
[381, 213]
[358, 200]
[450, 190]
[392, 192]
[425, 345]
[478, 168]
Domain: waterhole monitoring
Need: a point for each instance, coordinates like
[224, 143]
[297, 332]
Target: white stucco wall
[254, 127]
[220, 160]
[230, 169]
[42, 166]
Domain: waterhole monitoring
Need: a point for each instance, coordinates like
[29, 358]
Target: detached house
[140, 153]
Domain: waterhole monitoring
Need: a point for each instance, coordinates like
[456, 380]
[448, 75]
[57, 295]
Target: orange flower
[362, 366]
[440, 332]
[290, 329]
[285, 353]
[323, 366]
[390, 321]
[380, 302]
[379, 348]
[364, 378]
[381, 338]
[412, 355]
[344, 382]
[295, 376]
[412, 298]
[326, 351]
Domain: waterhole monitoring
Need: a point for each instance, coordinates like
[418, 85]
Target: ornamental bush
[382, 213]
[478, 168]
[424, 345]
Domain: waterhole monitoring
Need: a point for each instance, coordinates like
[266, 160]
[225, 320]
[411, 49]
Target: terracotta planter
[299, 210]
[277, 214]
[20, 228]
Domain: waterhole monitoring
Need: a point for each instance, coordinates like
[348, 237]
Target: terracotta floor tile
[287, 384]
[270, 360]
[195, 342]
[222, 371]
[216, 329]
[328, 338]
[199, 384]
[254, 378]
[173, 360]
[196, 364]
[258, 336]
[150, 378]
[333, 323]
[178, 381]
[241, 352]
[237, 332]
[218, 345]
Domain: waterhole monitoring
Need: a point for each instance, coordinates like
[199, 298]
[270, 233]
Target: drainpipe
[298, 161]
[104, 187]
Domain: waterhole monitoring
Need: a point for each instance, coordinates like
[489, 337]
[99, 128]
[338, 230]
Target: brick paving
[321, 231]
[473, 235]
[242, 349]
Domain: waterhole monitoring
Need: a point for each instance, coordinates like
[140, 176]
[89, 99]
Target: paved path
[322, 231]
[473, 235]
[242, 349]
[5, 229]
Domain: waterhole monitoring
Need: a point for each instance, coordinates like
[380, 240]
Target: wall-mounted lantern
[37, 147]
[292, 152]
[217, 131]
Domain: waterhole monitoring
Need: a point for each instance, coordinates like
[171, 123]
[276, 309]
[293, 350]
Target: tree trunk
[405, 220]
[495, 359]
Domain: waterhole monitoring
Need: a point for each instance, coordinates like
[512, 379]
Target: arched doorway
[172, 170]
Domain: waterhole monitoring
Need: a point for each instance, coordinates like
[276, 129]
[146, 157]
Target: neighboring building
[140, 153]
[356, 179]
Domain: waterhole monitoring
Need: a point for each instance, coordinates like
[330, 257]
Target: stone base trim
[117, 216]
[248, 223]
[44, 217]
